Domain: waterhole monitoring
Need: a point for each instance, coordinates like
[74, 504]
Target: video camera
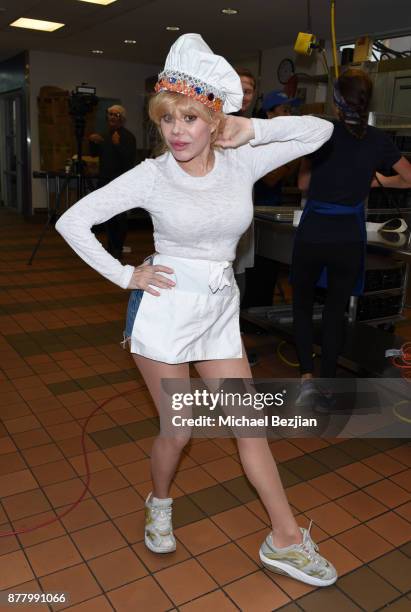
[82, 101]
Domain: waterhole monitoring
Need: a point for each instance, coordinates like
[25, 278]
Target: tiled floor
[60, 356]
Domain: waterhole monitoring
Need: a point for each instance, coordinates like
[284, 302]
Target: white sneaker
[299, 561]
[158, 532]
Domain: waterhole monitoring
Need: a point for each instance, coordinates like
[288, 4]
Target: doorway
[13, 152]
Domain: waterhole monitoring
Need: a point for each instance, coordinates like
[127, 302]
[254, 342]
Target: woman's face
[187, 135]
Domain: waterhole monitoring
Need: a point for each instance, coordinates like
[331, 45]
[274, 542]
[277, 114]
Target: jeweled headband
[173, 80]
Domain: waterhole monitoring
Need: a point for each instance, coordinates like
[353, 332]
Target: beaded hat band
[176, 81]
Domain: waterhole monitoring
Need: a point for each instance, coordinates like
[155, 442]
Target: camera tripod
[79, 107]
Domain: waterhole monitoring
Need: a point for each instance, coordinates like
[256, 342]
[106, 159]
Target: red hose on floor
[86, 485]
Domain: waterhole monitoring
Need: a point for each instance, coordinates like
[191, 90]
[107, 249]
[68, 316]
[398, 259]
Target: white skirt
[196, 320]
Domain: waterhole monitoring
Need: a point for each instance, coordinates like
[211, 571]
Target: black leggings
[343, 261]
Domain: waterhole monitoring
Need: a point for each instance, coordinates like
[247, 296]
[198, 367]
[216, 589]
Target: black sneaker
[252, 358]
[308, 394]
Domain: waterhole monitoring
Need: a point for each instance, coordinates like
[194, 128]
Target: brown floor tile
[108, 438]
[403, 479]
[395, 567]
[15, 569]
[17, 482]
[42, 454]
[332, 518]
[217, 600]
[96, 459]
[332, 457]
[303, 496]
[356, 448]
[238, 522]
[227, 563]
[42, 534]
[180, 590]
[117, 568]
[343, 560]
[63, 431]
[257, 508]
[361, 505]
[194, 479]
[241, 488]
[293, 588]
[223, 469]
[25, 504]
[328, 599]
[55, 417]
[73, 446]
[201, 536]
[7, 446]
[368, 589]
[137, 471]
[24, 423]
[124, 453]
[388, 493]
[282, 450]
[106, 481]
[8, 543]
[305, 467]
[98, 539]
[55, 471]
[404, 511]
[332, 485]
[384, 464]
[243, 593]
[205, 451]
[66, 492]
[29, 439]
[96, 604]
[155, 562]
[309, 445]
[53, 555]
[400, 605]
[132, 526]
[118, 503]
[392, 527]
[364, 543]
[85, 514]
[359, 474]
[78, 582]
[401, 454]
[143, 594]
[214, 499]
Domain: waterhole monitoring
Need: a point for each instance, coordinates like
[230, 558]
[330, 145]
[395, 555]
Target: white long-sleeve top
[198, 217]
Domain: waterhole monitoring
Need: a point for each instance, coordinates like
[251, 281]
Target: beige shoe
[158, 532]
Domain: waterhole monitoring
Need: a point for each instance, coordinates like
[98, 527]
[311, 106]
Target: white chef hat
[192, 69]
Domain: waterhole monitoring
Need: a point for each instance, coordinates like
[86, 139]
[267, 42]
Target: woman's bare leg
[257, 460]
[166, 451]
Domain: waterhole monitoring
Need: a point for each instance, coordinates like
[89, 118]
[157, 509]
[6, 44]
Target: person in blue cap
[262, 278]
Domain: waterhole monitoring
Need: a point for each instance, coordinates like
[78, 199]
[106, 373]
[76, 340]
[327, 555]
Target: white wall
[311, 65]
[113, 79]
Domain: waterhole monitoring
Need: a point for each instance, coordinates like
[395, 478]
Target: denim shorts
[133, 305]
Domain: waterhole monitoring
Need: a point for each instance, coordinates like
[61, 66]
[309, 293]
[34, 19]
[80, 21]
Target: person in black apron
[329, 248]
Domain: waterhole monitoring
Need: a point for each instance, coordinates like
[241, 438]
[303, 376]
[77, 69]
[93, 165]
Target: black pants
[116, 229]
[343, 261]
[260, 282]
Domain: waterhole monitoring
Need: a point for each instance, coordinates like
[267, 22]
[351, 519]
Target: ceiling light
[229, 11]
[36, 24]
[173, 28]
[97, 51]
[130, 42]
[103, 2]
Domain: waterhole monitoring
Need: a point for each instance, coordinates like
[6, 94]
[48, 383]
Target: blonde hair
[166, 102]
